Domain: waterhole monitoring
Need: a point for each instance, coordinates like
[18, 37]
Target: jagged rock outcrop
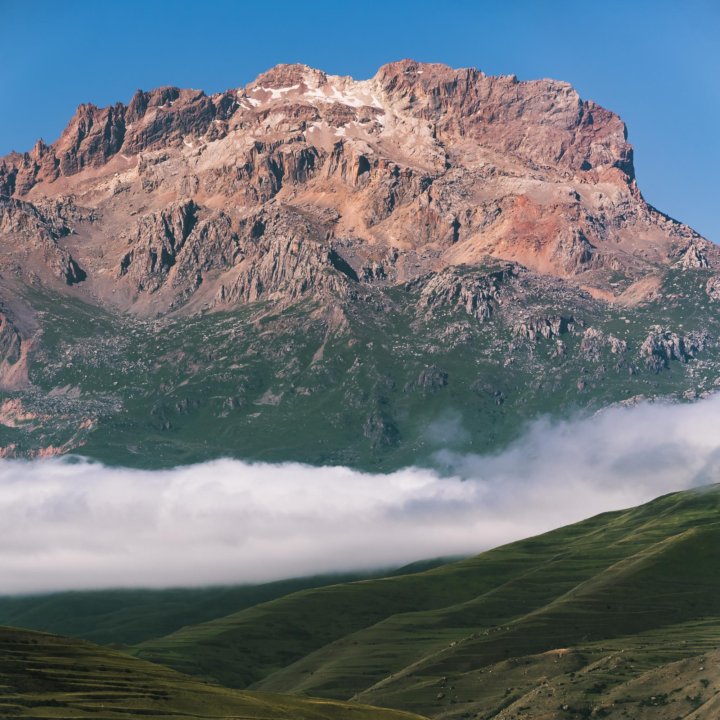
[10, 341]
[459, 288]
[156, 244]
[27, 232]
[380, 430]
[573, 252]
[712, 288]
[166, 115]
[663, 346]
[547, 327]
[430, 379]
[13, 356]
[594, 342]
[92, 137]
[290, 260]
[694, 254]
[257, 175]
[470, 103]
[95, 135]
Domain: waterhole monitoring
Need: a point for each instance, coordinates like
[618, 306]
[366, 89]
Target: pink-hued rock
[303, 182]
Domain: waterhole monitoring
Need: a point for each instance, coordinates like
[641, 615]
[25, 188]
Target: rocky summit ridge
[464, 215]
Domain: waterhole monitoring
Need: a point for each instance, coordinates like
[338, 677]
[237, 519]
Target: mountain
[45, 676]
[322, 269]
[616, 616]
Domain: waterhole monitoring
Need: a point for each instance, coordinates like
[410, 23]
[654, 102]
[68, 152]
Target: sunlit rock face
[441, 207]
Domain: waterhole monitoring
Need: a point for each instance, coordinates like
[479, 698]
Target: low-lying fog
[77, 524]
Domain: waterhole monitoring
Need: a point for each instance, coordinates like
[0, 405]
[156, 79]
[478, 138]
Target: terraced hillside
[611, 617]
[44, 676]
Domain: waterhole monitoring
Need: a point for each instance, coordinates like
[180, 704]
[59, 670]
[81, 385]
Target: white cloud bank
[66, 524]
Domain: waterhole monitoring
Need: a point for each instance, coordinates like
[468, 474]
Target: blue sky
[656, 63]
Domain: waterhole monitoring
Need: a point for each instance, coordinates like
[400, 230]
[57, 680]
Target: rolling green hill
[45, 676]
[614, 617]
[130, 616]
[629, 591]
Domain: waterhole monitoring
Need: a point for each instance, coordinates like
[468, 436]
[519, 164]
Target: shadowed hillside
[130, 616]
[44, 676]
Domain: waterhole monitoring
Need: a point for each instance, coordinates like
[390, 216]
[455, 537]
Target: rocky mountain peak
[290, 75]
[431, 166]
[326, 259]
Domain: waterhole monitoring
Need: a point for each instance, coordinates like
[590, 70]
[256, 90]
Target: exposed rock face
[473, 292]
[39, 234]
[10, 342]
[156, 244]
[712, 288]
[583, 136]
[419, 169]
[430, 379]
[13, 356]
[380, 430]
[663, 346]
[546, 327]
[284, 260]
[594, 343]
[694, 254]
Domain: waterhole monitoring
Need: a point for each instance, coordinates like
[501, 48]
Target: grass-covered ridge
[642, 581]
[129, 616]
[45, 676]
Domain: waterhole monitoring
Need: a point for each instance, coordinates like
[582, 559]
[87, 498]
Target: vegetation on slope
[372, 390]
[45, 676]
[129, 616]
[643, 581]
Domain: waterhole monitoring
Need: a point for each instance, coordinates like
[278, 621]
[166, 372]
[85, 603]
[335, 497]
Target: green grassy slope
[294, 385]
[598, 587]
[45, 676]
[128, 617]
[667, 674]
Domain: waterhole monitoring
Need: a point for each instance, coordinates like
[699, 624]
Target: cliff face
[509, 204]
[420, 168]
